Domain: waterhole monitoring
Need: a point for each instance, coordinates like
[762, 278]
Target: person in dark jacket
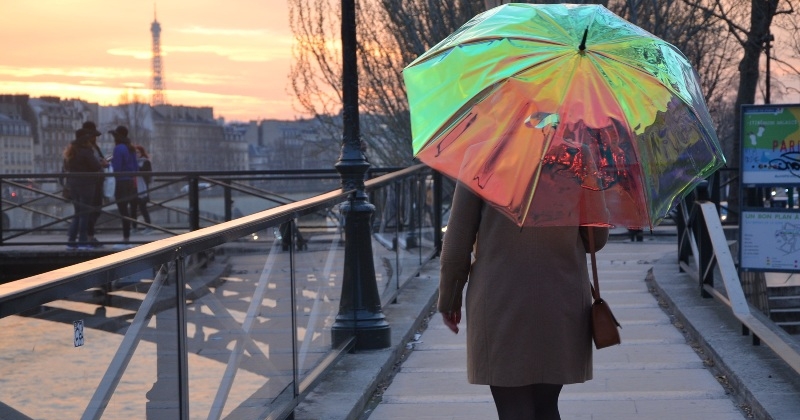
[97, 203]
[124, 160]
[79, 158]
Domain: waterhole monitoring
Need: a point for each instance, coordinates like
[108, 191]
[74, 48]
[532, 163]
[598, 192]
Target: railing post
[228, 201]
[360, 313]
[706, 249]
[412, 205]
[165, 397]
[194, 204]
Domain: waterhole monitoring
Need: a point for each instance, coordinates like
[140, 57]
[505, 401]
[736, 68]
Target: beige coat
[528, 300]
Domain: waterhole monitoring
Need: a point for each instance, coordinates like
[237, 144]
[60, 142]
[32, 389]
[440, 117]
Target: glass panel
[111, 349]
[239, 330]
[385, 236]
[319, 267]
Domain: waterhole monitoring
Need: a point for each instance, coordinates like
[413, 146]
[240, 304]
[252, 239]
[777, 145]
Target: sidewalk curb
[762, 385]
[345, 390]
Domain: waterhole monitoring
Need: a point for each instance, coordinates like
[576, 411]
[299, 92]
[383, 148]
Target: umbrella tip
[582, 47]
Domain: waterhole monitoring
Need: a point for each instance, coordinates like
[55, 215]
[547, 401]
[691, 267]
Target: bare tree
[391, 33]
[134, 112]
[702, 38]
[750, 23]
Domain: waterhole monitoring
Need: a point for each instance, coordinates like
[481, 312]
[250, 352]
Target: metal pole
[360, 313]
[767, 39]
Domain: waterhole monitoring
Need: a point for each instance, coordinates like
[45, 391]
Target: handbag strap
[596, 286]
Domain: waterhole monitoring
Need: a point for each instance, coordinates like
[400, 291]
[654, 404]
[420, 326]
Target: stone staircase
[784, 307]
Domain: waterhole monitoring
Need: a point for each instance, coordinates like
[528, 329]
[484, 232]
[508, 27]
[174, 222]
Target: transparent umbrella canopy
[563, 115]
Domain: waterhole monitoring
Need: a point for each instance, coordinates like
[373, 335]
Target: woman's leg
[530, 402]
[134, 207]
[143, 209]
[513, 402]
[125, 193]
[72, 232]
[545, 397]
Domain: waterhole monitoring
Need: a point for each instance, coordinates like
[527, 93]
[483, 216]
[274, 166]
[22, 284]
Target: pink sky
[233, 55]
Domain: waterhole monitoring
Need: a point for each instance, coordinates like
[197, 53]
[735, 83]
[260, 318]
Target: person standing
[528, 304]
[124, 160]
[142, 187]
[79, 158]
[90, 129]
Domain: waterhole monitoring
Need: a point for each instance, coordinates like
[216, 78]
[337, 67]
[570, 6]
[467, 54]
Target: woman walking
[528, 304]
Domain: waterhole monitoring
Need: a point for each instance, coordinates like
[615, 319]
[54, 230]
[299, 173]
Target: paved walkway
[653, 375]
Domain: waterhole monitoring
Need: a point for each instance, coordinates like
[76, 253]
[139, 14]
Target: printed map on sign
[771, 144]
[770, 241]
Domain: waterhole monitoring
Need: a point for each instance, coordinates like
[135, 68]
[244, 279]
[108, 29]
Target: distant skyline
[233, 56]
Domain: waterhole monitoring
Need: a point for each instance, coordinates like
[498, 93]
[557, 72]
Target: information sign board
[770, 144]
[770, 241]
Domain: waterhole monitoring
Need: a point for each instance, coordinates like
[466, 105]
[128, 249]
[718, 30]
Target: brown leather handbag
[604, 323]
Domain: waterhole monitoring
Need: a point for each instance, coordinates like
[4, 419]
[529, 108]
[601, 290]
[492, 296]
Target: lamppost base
[376, 336]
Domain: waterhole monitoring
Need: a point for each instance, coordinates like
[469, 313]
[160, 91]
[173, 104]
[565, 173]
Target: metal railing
[704, 253]
[214, 322]
[33, 208]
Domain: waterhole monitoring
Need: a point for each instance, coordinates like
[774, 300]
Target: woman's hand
[452, 319]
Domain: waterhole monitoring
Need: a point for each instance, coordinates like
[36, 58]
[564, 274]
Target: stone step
[792, 327]
[784, 302]
[783, 291]
[785, 315]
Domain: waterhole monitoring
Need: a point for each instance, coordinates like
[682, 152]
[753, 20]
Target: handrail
[702, 229]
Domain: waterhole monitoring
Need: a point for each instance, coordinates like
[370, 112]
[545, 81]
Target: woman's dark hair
[81, 139]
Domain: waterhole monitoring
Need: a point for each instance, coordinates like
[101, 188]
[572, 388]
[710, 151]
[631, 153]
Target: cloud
[77, 72]
[235, 53]
[138, 54]
[199, 30]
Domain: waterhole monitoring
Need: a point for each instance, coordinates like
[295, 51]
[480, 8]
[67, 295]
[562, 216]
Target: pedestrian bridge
[223, 322]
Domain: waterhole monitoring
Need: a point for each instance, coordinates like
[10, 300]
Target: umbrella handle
[596, 286]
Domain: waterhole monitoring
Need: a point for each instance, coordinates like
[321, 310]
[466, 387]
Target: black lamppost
[360, 312]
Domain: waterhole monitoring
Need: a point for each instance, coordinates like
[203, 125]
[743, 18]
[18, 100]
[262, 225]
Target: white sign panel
[770, 241]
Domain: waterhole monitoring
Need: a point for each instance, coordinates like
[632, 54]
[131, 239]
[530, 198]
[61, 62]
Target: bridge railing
[219, 322]
[34, 211]
[704, 253]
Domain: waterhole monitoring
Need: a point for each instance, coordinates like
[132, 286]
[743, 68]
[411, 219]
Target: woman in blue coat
[124, 160]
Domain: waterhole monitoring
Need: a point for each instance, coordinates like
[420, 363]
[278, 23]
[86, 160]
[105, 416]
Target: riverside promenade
[682, 356]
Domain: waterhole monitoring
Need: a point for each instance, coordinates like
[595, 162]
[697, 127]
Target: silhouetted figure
[97, 202]
[142, 187]
[79, 157]
[124, 160]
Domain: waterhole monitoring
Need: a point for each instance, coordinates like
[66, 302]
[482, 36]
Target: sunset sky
[233, 55]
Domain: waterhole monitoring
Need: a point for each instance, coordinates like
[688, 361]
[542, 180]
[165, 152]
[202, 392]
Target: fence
[704, 253]
[212, 322]
[34, 211]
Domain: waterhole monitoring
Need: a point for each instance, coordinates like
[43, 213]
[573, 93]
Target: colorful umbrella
[563, 115]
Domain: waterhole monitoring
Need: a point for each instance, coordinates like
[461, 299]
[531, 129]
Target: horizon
[233, 58]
